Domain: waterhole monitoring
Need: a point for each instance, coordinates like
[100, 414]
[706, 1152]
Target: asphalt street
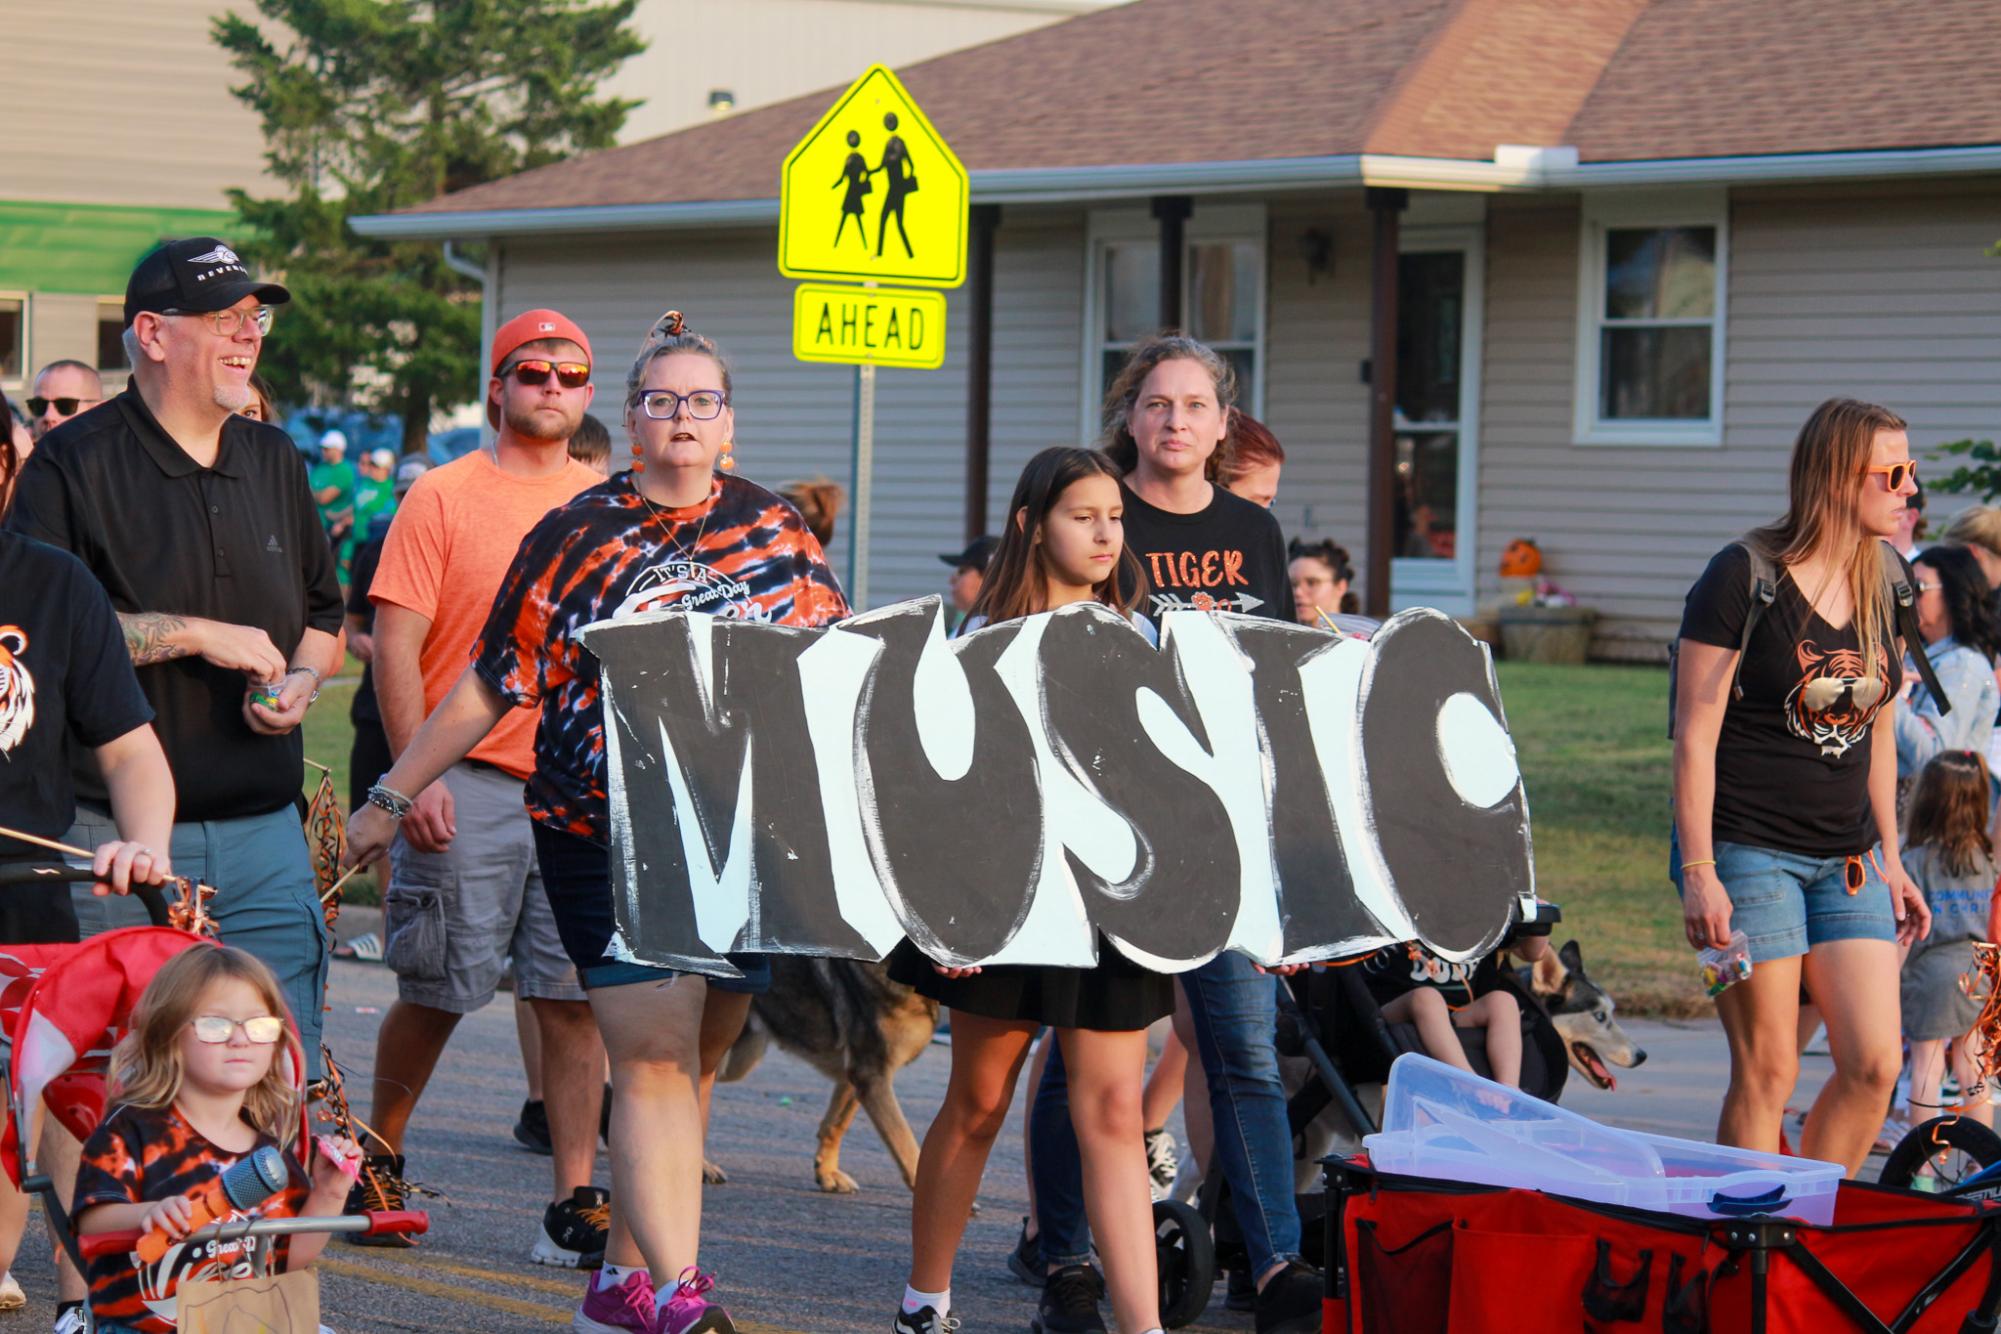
[788, 1258]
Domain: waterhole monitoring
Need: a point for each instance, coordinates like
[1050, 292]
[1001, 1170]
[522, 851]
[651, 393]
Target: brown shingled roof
[1180, 81]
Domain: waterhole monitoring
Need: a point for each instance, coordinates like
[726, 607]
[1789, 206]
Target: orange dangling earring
[728, 461]
[638, 457]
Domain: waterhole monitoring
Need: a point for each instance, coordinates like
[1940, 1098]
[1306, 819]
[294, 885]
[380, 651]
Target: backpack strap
[1904, 605]
[1764, 592]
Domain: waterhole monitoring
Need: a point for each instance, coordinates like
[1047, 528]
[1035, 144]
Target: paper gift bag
[270, 1304]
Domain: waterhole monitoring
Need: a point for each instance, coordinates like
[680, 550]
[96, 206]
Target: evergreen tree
[370, 106]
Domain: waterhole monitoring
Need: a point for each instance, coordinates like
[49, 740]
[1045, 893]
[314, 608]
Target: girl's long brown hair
[146, 1068]
[1949, 811]
[1825, 487]
[1016, 582]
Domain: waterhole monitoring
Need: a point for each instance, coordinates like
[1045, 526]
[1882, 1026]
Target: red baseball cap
[531, 325]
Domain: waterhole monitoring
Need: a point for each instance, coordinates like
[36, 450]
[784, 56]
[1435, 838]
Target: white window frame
[1449, 584]
[1679, 208]
[1207, 225]
[109, 376]
[18, 385]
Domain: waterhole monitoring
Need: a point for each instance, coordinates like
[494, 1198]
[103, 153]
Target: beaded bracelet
[390, 800]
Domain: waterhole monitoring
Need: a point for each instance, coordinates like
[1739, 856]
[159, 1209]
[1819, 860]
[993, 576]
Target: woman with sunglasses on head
[676, 530]
[1785, 795]
[1962, 639]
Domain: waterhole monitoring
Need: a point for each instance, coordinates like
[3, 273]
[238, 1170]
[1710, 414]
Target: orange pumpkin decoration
[1521, 559]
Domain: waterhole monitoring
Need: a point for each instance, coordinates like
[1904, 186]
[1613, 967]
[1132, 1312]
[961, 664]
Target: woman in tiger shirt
[673, 532]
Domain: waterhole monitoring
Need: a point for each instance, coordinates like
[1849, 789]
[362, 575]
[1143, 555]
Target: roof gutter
[1513, 169]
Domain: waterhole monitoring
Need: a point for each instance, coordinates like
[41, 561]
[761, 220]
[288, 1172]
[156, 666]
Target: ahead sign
[879, 325]
[873, 194]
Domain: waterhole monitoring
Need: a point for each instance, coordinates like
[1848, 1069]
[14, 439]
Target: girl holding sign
[1064, 543]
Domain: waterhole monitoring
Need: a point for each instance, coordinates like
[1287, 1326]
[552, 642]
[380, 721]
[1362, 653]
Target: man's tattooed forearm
[147, 634]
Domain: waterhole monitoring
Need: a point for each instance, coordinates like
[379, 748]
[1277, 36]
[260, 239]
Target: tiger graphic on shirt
[1837, 697]
[17, 689]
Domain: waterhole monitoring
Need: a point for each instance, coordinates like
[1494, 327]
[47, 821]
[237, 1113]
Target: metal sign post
[864, 471]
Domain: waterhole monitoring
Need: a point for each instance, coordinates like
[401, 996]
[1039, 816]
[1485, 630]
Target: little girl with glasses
[197, 1085]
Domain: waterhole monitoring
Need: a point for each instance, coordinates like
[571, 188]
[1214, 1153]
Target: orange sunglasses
[1894, 474]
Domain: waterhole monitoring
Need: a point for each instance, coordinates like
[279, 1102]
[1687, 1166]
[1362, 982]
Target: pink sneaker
[689, 1311]
[625, 1309]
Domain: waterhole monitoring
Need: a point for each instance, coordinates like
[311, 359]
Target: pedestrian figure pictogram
[860, 169]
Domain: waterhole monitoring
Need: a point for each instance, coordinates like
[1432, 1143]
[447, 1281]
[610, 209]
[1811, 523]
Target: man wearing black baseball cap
[969, 572]
[200, 525]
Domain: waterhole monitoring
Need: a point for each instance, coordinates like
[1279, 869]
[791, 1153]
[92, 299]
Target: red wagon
[1411, 1255]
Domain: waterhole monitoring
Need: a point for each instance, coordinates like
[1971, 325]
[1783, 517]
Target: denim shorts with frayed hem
[1785, 903]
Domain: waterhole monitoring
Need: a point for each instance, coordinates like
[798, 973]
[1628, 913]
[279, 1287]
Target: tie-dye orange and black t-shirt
[138, 1155]
[743, 554]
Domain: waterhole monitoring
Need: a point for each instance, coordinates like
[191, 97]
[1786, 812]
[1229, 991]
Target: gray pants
[265, 901]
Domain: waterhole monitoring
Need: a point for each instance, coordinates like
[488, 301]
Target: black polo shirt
[239, 542]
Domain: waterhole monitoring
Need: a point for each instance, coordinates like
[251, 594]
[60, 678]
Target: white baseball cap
[334, 440]
[382, 458]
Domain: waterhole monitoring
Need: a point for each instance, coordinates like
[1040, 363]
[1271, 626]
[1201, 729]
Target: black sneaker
[379, 1189]
[1069, 1304]
[1290, 1303]
[923, 1321]
[573, 1230]
[1025, 1260]
[531, 1128]
[1241, 1294]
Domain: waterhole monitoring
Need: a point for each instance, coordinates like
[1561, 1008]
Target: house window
[1650, 333]
[1222, 295]
[111, 336]
[13, 338]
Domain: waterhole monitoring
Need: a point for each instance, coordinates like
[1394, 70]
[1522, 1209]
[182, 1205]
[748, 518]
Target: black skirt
[1117, 996]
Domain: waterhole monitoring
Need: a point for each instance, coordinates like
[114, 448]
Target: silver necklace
[686, 551]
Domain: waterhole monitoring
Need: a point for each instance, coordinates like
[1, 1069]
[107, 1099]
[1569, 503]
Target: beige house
[121, 129]
[1616, 250]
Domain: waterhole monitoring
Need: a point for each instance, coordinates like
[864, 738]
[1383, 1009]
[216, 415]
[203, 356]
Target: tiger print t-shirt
[1792, 759]
[742, 554]
[138, 1155]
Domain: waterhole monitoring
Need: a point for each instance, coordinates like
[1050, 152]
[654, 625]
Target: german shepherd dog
[855, 1026]
[1584, 1015]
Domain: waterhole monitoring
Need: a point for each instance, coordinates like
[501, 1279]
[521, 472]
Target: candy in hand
[267, 694]
[341, 1153]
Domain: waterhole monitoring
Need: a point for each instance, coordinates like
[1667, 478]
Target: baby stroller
[62, 1009]
[1335, 1051]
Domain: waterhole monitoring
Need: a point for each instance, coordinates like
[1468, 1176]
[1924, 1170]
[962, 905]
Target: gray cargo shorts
[452, 919]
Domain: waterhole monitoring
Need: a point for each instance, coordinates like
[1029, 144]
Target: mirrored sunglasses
[569, 374]
[263, 1029]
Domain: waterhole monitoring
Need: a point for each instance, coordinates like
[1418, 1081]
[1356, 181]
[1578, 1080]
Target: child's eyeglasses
[1895, 474]
[569, 374]
[263, 1030]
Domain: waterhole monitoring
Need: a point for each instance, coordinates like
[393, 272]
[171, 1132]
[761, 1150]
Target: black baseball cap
[194, 275]
[975, 557]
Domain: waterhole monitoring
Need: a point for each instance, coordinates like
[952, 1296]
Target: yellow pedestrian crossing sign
[874, 194]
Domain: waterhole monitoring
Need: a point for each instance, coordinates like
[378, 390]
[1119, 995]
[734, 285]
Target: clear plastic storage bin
[1439, 1121]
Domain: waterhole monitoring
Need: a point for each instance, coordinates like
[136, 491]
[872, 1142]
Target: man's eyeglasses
[263, 1029]
[569, 374]
[65, 407]
[227, 322]
[1895, 474]
[664, 404]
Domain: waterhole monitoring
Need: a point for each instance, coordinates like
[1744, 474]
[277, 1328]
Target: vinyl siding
[1316, 339]
[1889, 298]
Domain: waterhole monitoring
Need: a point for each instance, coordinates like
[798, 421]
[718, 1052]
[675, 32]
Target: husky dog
[855, 1026]
[1584, 1016]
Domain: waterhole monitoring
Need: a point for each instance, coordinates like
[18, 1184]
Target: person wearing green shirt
[374, 494]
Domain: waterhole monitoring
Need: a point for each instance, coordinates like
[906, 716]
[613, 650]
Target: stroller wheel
[1186, 1256]
[1941, 1154]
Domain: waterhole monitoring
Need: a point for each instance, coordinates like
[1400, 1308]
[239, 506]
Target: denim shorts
[577, 875]
[1786, 902]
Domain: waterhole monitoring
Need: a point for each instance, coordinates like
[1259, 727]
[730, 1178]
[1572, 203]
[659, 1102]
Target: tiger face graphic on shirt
[17, 689]
[1836, 698]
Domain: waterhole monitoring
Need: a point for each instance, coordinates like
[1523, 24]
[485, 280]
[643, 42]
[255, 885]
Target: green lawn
[1594, 753]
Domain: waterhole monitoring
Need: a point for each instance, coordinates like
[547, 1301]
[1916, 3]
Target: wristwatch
[317, 678]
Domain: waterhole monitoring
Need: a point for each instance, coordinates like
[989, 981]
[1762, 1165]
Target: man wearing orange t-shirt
[465, 894]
